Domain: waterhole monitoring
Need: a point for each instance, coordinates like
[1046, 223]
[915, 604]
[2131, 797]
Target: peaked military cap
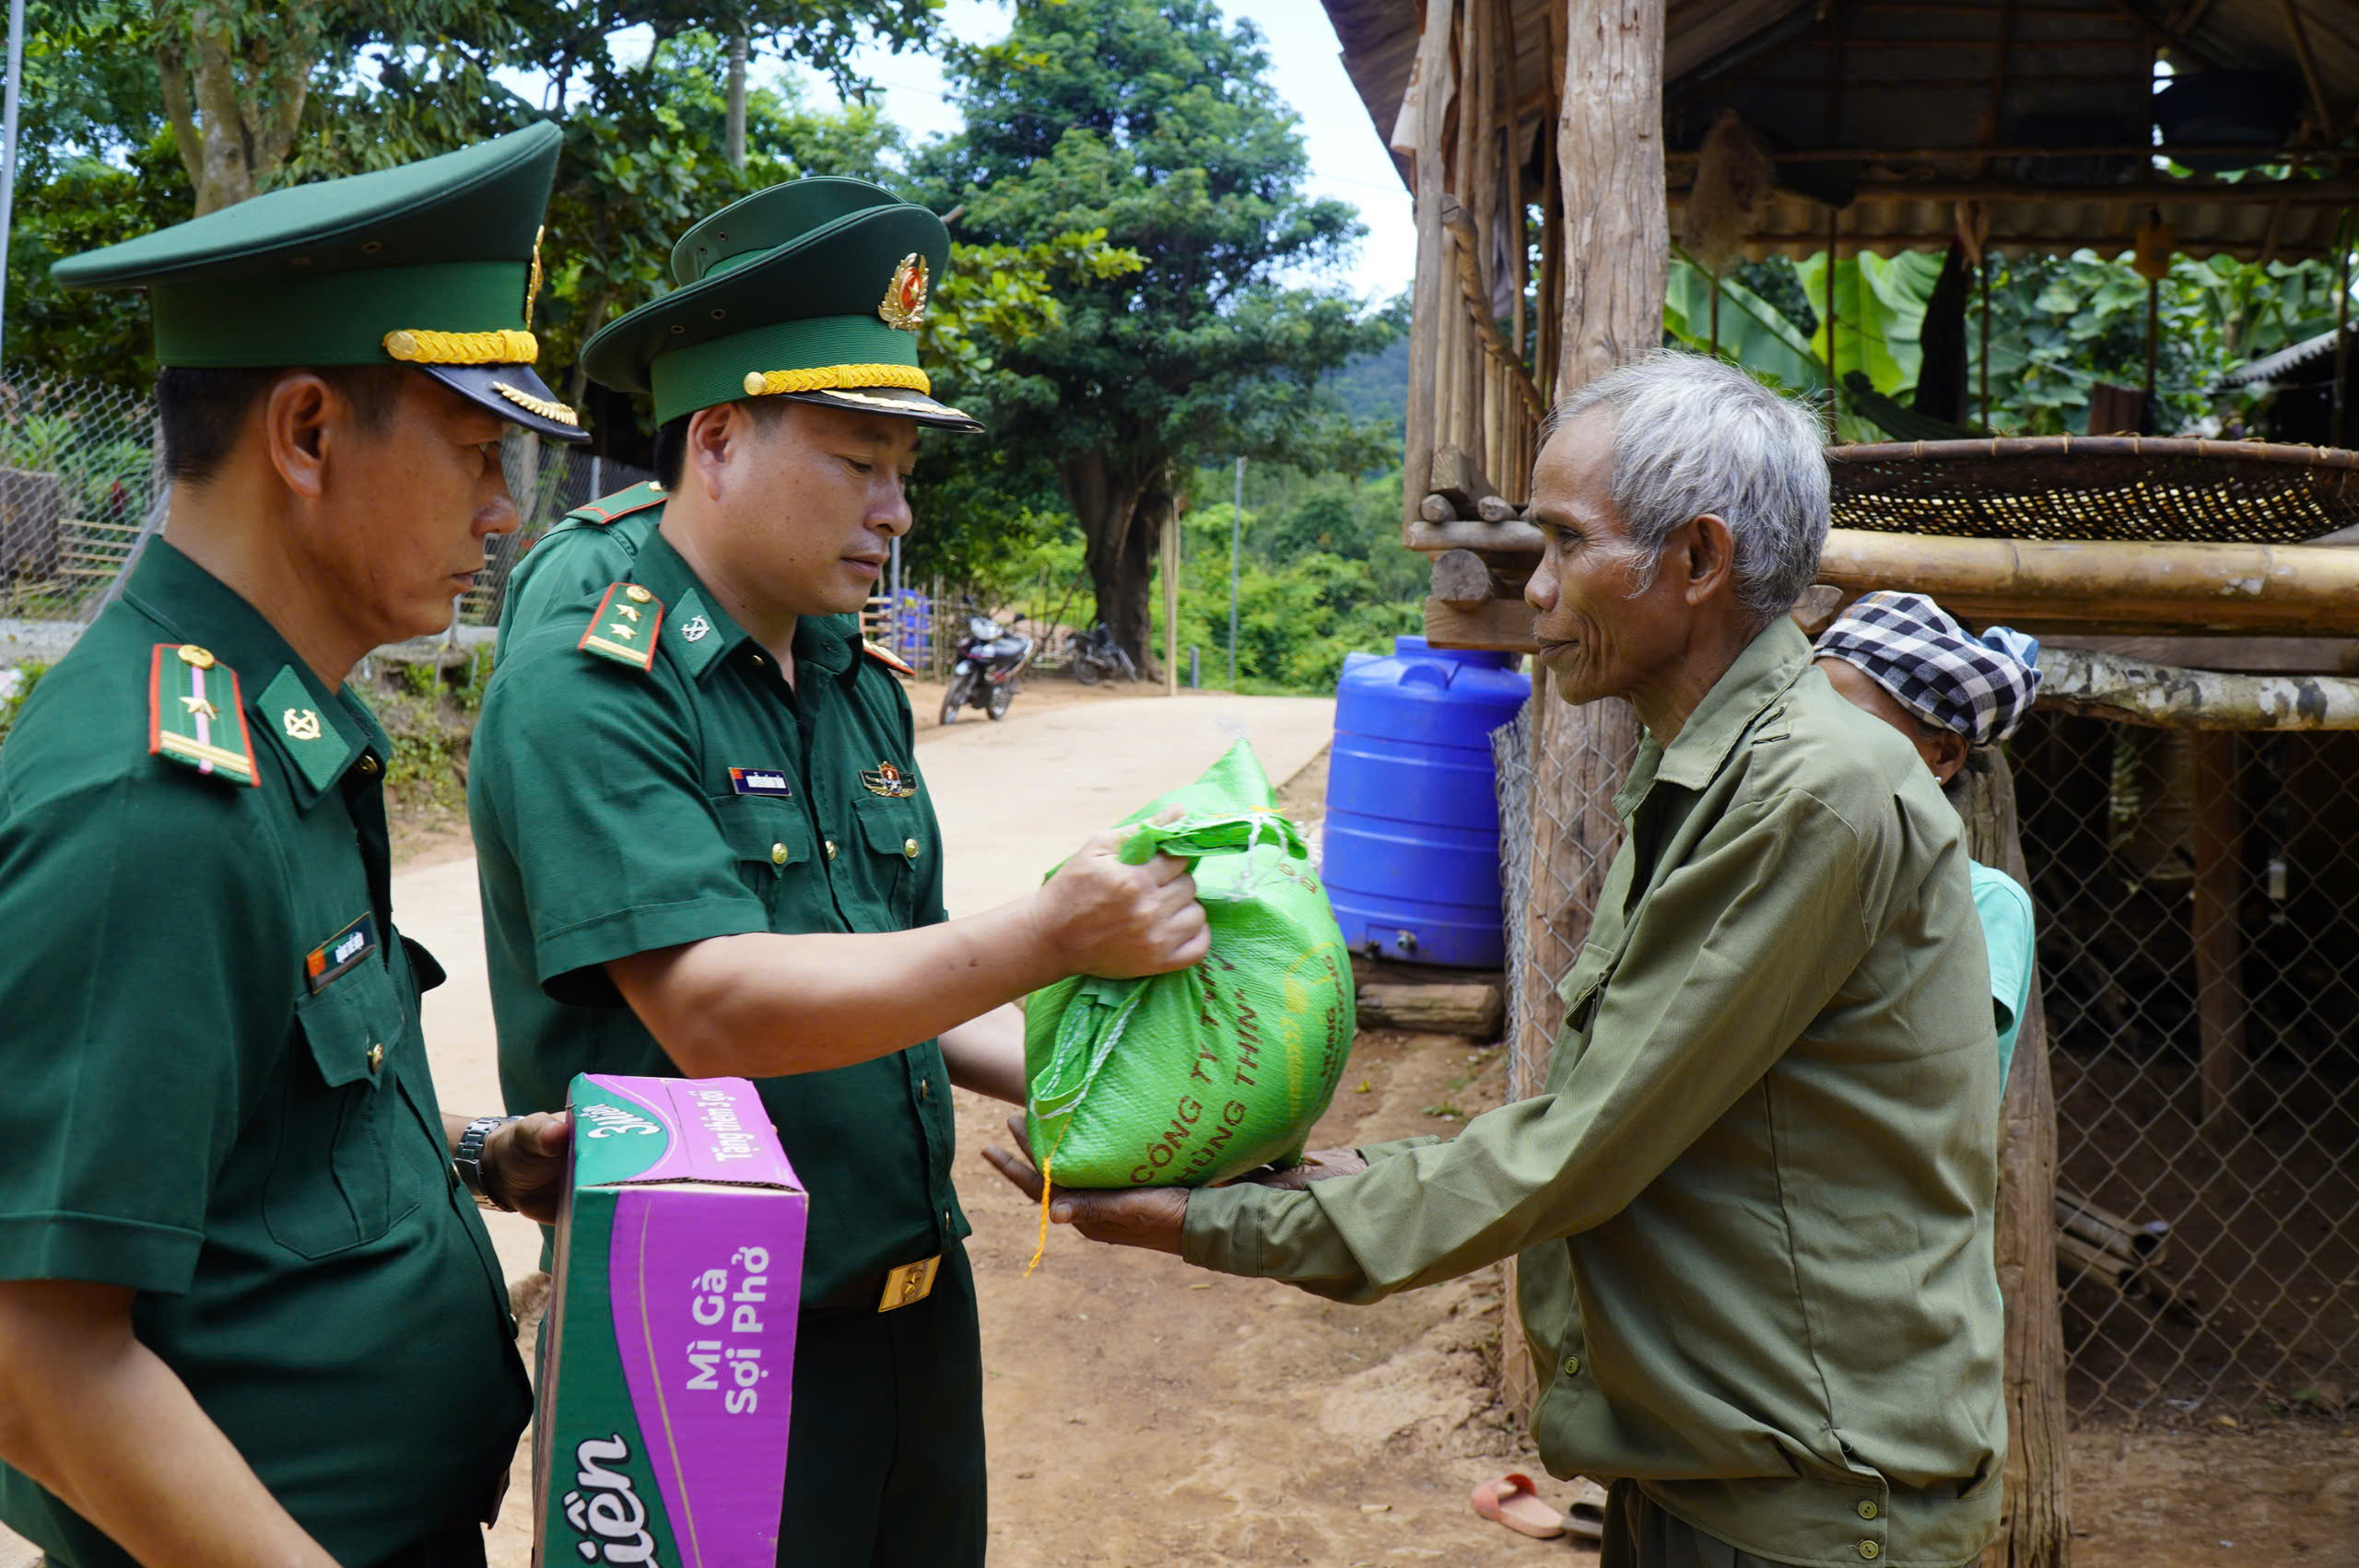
[434, 264]
[812, 290]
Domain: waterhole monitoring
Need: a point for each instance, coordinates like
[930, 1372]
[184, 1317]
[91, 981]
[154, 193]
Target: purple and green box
[668, 1354]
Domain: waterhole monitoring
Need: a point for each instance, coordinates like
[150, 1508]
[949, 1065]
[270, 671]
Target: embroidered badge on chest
[888, 780]
[759, 781]
[340, 953]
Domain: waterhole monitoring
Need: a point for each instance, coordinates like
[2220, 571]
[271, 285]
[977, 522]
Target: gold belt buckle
[911, 1281]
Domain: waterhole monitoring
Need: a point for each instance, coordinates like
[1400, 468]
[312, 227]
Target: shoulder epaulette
[196, 715]
[625, 627]
[621, 504]
[886, 657]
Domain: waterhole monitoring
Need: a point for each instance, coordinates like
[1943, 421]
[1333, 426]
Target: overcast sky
[1347, 159]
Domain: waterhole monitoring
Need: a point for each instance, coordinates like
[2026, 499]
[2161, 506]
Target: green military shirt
[1753, 1207]
[217, 1092]
[619, 810]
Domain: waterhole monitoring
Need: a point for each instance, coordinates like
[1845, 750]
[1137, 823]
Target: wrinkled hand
[1100, 916]
[523, 1164]
[1317, 1165]
[1147, 1217]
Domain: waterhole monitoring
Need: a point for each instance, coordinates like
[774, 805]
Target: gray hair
[1693, 435]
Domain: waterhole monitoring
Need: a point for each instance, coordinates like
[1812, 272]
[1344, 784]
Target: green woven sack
[1198, 1076]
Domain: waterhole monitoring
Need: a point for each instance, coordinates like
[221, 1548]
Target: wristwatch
[469, 1159]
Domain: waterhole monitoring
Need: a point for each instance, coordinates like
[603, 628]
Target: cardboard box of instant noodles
[668, 1353]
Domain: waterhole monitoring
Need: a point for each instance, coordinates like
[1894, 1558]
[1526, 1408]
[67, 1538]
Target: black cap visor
[902, 402]
[514, 393]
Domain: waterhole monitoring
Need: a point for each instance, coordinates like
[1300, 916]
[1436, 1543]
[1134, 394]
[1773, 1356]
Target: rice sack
[1195, 1077]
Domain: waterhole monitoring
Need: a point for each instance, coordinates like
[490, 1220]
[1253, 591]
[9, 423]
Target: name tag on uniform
[759, 781]
[340, 953]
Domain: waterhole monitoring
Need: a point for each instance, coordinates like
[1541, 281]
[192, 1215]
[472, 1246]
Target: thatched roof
[1891, 111]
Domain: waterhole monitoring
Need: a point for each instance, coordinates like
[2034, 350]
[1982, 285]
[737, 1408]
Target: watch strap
[468, 1157]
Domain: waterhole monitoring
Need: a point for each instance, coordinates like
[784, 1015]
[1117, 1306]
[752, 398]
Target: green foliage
[16, 684]
[1322, 574]
[2058, 325]
[386, 84]
[1157, 127]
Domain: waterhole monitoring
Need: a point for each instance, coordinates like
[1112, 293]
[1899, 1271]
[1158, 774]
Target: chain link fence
[80, 488]
[2198, 905]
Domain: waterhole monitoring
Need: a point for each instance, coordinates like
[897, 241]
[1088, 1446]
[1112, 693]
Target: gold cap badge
[904, 305]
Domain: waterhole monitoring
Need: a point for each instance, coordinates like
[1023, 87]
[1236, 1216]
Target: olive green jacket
[1753, 1208]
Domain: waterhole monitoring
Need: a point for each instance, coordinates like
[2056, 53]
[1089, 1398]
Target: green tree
[1157, 125]
[142, 114]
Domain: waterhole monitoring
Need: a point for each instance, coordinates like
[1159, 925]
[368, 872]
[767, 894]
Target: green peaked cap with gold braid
[812, 290]
[432, 264]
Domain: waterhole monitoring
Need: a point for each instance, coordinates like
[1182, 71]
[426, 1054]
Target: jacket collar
[698, 633]
[1769, 665]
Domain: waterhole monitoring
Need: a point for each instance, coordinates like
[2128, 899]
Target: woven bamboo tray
[2117, 487]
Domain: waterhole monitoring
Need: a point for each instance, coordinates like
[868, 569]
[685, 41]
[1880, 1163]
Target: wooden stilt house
[2201, 614]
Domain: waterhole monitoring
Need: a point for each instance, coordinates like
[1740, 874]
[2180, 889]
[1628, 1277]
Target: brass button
[195, 657]
[1572, 1366]
[369, 764]
[946, 1219]
[910, 847]
[1871, 1550]
[376, 1057]
[1867, 1507]
[925, 1088]
[777, 854]
[831, 849]
[637, 594]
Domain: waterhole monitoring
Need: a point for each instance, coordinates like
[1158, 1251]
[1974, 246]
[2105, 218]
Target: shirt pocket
[772, 845]
[887, 862]
[330, 1187]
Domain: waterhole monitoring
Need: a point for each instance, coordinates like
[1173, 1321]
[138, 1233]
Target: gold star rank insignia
[188, 692]
[612, 633]
[889, 781]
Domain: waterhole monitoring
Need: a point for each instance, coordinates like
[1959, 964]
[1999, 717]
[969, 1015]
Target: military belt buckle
[909, 1282]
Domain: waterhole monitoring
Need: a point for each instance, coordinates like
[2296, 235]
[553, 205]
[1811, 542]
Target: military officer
[248, 1311]
[706, 844]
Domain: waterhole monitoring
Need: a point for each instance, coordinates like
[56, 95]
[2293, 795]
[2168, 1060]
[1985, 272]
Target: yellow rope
[420, 346]
[1048, 1164]
[828, 377]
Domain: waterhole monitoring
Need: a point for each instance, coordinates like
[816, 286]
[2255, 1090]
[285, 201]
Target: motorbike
[1097, 655]
[988, 672]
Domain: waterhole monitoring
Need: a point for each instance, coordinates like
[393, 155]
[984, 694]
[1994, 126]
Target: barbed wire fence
[2197, 898]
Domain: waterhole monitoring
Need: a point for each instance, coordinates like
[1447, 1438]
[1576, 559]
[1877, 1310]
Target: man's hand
[523, 1164]
[1100, 916]
[1147, 1217]
[1317, 1165]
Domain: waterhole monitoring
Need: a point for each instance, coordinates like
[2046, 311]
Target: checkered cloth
[1981, 687]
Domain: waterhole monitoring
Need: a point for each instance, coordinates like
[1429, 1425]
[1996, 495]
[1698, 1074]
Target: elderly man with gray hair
[1753, 1206]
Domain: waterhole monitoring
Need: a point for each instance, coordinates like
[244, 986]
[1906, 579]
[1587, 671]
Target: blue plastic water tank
[1413, 820]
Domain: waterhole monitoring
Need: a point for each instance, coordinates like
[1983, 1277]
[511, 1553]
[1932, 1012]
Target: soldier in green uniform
[706, 844]
[248, 1311]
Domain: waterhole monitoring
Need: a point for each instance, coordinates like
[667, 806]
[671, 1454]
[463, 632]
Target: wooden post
[1615, 246]
[2218, 935]
[1170, 601]
[2035, 1526]
[1834, 364]
[1984, 285]
[2341, 326]
[1436, 289]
